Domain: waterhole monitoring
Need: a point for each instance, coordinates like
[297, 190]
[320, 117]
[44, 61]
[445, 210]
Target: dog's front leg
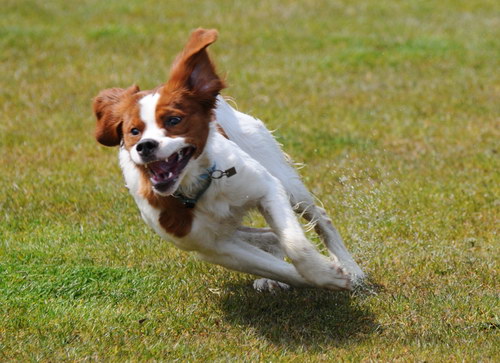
[314, 267]
[266, 240]
[263, 238]
[303, 203]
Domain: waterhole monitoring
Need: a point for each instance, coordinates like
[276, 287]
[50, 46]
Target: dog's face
[164, 129]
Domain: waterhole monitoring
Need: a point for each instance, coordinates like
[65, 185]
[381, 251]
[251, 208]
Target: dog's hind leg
[330, 236]
[303, 203]
[315, 268]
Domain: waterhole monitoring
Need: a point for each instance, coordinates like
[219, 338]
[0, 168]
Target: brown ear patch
[109, 114]
[193, 70]
[199, 40]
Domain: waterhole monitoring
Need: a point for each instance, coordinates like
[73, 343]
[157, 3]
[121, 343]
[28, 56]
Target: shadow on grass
[300, 318]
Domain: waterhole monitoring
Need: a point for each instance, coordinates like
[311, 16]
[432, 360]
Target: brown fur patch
[175, 218]
[221, 131]
[194, 127]
[131, 119]
[109, 107]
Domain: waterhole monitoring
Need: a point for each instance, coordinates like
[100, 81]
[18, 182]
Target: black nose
[146, 147]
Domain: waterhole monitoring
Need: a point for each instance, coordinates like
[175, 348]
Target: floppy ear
[193, 70]
[108, 114]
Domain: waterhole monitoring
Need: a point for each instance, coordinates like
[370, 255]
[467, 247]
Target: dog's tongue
[161, 169]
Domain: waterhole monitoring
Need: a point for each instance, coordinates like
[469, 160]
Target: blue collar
[191, 202]
[207, 177]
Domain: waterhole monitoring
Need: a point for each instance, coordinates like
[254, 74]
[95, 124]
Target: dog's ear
[109, 115]
[193, 69]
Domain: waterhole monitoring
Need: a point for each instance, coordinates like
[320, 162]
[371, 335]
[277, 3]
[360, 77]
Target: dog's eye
[172, 120]
[135, 131]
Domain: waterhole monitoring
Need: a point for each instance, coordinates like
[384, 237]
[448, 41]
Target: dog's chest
[199, 227]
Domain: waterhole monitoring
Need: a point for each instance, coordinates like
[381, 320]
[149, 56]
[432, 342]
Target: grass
[392, 107]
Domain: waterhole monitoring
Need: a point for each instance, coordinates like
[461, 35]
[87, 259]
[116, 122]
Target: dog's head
[167, 128]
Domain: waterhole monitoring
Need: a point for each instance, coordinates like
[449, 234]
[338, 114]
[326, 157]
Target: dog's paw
[342, 280]
[268, 285]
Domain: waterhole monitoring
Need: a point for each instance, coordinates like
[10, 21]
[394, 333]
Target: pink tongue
[160, 167]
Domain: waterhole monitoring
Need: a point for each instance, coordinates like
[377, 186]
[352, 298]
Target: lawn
[393, 109]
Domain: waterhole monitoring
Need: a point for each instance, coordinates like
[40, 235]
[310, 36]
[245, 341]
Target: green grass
[393, 107]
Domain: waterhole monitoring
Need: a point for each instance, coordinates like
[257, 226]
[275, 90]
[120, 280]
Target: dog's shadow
[300, 318]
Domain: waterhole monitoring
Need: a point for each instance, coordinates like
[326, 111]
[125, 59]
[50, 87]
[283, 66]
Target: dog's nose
[146, 147]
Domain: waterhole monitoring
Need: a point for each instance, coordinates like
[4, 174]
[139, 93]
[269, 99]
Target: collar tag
[230, 172]
[217, 174]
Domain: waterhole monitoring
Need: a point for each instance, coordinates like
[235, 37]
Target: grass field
[393, 107]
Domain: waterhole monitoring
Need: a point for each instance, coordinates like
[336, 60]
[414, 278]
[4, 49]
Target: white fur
[147, 114]
[264, 180]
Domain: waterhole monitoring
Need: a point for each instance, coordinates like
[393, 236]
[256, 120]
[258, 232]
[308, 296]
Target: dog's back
[252, 136]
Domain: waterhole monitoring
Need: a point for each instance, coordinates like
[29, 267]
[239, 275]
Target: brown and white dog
[195, 167]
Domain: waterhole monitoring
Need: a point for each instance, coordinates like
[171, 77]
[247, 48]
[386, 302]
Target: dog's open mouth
[165, 173]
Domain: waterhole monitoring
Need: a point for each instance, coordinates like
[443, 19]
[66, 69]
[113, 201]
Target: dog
[195, 166]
